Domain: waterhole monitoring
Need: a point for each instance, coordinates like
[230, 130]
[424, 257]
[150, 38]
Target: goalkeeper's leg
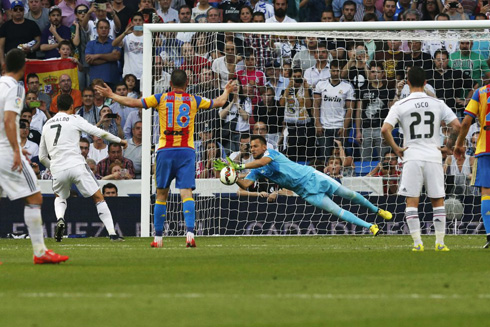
[326, 203]
[356, 198]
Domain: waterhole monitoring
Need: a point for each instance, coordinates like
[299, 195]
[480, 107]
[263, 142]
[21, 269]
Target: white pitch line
[264, 296]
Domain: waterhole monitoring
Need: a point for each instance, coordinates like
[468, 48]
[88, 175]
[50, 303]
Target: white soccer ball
[228, 176]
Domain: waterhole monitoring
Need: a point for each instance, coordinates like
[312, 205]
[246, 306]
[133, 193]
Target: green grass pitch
[248, 281]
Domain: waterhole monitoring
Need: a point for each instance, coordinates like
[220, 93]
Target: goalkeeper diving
[313, 186]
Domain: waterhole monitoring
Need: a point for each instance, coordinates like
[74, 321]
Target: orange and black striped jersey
[479, 108]
[177, 112]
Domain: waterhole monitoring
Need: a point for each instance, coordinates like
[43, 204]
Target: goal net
[318, 93]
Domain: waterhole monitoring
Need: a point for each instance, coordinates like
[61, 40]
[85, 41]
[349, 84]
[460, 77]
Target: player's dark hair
[31, 75]
[15, 60]
[258, 137]
[416, 76]
[84, 140]
[110, 186]
[64, 102]
[178, 78]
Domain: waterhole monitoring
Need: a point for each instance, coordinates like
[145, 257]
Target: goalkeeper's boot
[374, 229]
[441, 247]
[190, 242]
[487, 245]
[50, 257]
[157, 242]
[418, 248]
[116, 238]
[386, 215]
[59, 230]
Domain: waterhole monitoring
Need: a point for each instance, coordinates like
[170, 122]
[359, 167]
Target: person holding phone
[132, 43]
[38, 109]
[110, 122]
[455, 10]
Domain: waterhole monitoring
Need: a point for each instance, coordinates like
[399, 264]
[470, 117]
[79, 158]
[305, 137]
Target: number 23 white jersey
[60, 140]
[420, 117]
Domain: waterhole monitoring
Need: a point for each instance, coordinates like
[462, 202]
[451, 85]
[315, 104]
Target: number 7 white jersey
[60, 140]
[420, 117]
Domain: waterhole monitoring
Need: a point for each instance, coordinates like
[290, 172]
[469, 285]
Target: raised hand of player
[219, 165]
[104, 91]
[230, 86]
[124, 144]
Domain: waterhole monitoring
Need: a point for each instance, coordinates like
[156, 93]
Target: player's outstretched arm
[90, 129]
[125, 101]
[221, 100]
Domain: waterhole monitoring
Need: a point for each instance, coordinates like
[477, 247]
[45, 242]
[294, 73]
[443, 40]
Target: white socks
[413, 222]
[34, 222]
[106, 217]
[59, 207]
[439, 217]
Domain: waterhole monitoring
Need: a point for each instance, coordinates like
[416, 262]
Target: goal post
[358, 31]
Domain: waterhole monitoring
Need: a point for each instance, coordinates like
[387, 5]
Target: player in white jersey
[333, 106]
[420, 117]
[17, 179]
[59, 151]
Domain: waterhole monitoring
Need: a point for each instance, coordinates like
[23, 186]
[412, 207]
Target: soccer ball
[228, 176]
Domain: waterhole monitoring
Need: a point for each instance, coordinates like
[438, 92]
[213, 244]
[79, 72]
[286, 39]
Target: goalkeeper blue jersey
[303, 180]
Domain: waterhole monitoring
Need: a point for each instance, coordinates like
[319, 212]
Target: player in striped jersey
[479, 108]
[17, 179]
[176, 155]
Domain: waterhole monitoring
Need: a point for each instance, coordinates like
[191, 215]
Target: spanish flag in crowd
[49, 72]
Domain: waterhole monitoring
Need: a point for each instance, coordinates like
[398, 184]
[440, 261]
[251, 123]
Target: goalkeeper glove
[219, 165]
[234, 165]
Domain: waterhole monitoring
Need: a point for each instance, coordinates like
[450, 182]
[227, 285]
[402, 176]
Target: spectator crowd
[319, 100]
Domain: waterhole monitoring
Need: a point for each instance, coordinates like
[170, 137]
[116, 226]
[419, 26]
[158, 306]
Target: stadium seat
[364, 167]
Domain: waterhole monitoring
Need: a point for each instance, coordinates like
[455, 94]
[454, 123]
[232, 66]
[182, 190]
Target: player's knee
[34, 199]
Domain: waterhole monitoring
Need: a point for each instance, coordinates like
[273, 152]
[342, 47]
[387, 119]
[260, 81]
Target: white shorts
[418, 173]
[14, 184]
[81, 176]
